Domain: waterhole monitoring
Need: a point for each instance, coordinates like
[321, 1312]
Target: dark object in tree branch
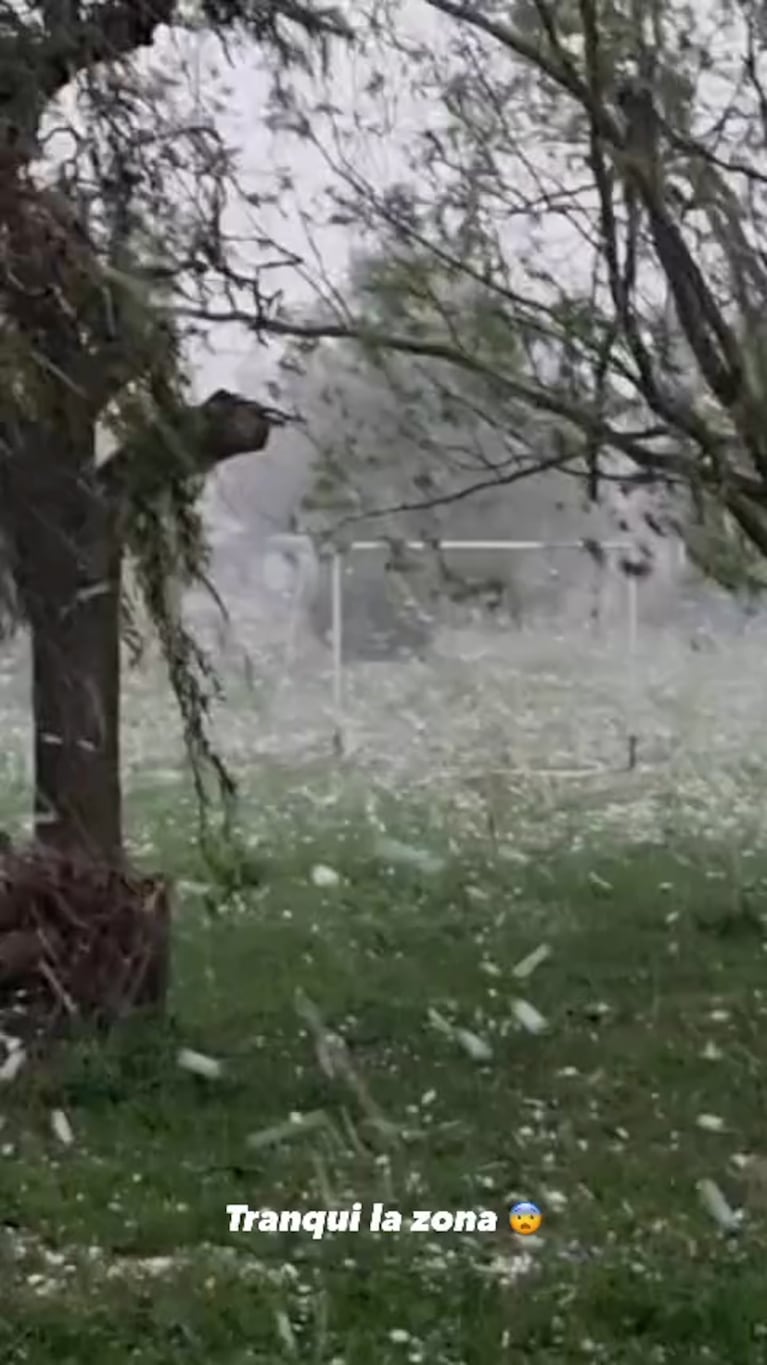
[225, 425]
[231, 425]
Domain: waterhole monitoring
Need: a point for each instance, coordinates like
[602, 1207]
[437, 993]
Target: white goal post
[362, 546]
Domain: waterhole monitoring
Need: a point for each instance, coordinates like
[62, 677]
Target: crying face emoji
[525, 1219]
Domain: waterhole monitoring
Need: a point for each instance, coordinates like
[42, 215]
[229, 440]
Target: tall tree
[597, 171]
[96, 242]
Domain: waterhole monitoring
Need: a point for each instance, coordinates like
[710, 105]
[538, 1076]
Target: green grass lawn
[117, 1248]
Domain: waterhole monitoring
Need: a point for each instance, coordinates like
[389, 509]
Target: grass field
[647, 1080]
[480, 813]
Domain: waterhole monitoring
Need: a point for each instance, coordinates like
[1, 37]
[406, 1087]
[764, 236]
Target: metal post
[633, 615]
[337, 641]
[597, 596]
[633, 607]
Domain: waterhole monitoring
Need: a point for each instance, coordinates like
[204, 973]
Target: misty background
[525, 658]
[357, 418]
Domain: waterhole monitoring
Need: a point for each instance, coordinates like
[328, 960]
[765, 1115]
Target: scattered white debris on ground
[528, 1017]
[14, 1060]
[478, 1049]
[199, 1064]
[542, 703]
[714, 1202]
[408, 855]
[541, 724]
[528, 964]
[710, 1123]
[62, 1128]
[323, 876]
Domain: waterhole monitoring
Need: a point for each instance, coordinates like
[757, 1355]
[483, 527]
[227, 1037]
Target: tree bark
[68, 575]
[62, 516]
[76, 706]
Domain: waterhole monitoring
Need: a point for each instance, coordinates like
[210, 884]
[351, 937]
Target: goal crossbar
[612, 545]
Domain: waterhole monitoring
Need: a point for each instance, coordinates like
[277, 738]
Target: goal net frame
[340, 556]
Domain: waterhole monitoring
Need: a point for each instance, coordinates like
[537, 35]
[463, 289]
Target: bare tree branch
[223, 426]
[584, 418]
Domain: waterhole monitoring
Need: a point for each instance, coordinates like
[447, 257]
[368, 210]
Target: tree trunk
[67, 562]
[61, 519]
[68, 572]
[76, 708]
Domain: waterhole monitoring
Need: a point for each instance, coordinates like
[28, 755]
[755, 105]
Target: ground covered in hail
[369, 1011]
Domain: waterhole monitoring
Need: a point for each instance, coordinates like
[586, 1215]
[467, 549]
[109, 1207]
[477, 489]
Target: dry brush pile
[79, 941]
